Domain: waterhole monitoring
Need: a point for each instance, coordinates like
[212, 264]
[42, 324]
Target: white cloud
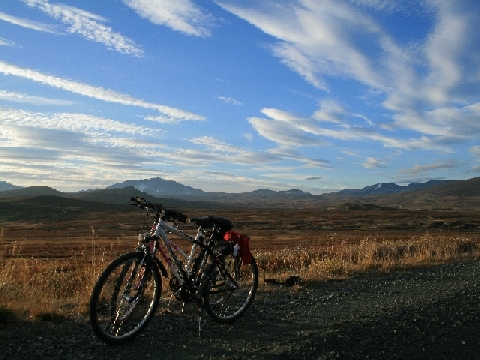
[454, 122]
[215, 180]
[36, 100]
[16, 122]
[291, 176]
[423, 170]
[179, 15]
[220, 152]
[283, 133]
[476, 169]
[248, 136]
[350, 153]
[372, 163]
[170, 119]
[33, 25]
[330, 111]
[390, 5]
[475, 151]
[291, 131]
[229, 100]
[95, 92]
[87, 25]
[5, 42]
[427, 85]
[320, 38]
[72, 150]
[215, 145]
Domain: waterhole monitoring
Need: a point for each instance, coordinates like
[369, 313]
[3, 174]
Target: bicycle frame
[179, 270]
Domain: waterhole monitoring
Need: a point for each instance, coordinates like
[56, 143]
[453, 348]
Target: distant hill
[159, 187]
[453, 194]
[460, 188]
[7, 186]
[30, 191]
[123, 195]
[113, 196]
[391, 188]
[51, 207]
[294, 192]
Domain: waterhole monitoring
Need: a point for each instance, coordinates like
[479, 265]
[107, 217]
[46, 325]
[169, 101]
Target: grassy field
[45, 280]
[49, 264]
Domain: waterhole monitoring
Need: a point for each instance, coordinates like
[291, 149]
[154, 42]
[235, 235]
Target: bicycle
[215, 274]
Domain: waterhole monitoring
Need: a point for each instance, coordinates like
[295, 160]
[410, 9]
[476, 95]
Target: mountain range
[432, 194]
[159, 187]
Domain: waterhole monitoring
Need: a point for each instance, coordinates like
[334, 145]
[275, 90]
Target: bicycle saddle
[211, 221]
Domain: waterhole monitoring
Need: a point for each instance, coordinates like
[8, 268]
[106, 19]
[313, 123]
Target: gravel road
[423, 313]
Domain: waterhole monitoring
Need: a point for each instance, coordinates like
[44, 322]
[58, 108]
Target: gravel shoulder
[422, 313]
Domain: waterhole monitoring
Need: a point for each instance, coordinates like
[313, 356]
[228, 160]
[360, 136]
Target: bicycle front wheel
[124, 298]
[230, 289]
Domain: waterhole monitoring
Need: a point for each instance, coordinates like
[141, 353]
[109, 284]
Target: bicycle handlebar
[145, 204]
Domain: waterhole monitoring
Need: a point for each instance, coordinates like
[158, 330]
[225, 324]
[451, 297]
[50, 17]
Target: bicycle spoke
[230, 289]
[133, 294]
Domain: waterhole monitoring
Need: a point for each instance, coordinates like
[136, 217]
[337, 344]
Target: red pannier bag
[243, 241]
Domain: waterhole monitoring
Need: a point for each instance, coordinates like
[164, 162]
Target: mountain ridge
[390, 188]
[158, 186]
[431, 194]
[7, 186]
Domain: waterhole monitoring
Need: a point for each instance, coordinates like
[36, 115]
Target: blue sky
[239, 95]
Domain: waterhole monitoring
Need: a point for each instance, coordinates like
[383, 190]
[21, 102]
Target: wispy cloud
[31, 99]
[99, 151]
[95, 92]
[168, 119]
[215, 144]
[221, 152]
[350, 153]
[230, 182]
[372, 163]
[81, 123]
[5, 42]
[179, 15]
[319, 38]
[229, 100]
[36, 145]
[475, 151]
[389, 5]
[27, 23]
[292, 131]
[324, 41]
[422, 170]
[87, 25]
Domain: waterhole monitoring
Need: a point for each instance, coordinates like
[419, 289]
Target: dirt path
[429, 313]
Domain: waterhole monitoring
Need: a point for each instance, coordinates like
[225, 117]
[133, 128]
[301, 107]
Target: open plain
[383, 295]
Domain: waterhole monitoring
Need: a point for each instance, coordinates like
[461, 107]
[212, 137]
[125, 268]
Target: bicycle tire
[124, 299]
[230, 289]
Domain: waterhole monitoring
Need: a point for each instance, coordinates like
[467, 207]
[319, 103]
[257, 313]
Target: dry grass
[49, 288]
[370, 254]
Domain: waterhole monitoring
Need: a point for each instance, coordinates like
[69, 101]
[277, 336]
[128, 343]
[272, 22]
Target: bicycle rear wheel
[124, 298]
[230, 289]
